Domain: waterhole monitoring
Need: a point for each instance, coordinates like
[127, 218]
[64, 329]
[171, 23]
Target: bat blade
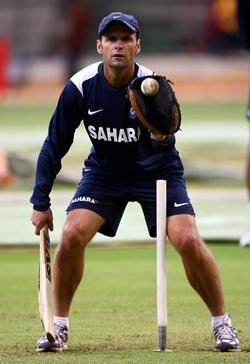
[45, 296]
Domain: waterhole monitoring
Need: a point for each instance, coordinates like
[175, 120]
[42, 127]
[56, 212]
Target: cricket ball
[149, 86]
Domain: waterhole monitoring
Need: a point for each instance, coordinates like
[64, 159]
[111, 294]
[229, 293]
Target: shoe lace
[61, 333]
[225, 331]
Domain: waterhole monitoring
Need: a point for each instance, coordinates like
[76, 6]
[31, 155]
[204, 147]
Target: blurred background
[195, 44]
[41, 42]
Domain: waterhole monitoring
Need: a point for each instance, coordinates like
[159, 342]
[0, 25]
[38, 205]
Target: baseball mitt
[155, 105]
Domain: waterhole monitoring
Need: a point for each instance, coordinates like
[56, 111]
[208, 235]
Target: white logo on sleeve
[94, 111]
[180, 204]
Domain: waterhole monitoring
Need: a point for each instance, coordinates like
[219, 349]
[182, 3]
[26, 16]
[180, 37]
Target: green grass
[33, 116]
[25, 116]
[113, 316]
[213, 111]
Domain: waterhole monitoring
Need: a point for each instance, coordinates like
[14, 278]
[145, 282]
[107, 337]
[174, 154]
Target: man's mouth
[118, 55]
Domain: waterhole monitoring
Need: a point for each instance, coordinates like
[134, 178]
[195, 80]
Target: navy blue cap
[129, 20]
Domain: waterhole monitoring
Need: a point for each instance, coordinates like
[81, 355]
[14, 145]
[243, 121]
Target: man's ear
[99, 46]
[138, 46]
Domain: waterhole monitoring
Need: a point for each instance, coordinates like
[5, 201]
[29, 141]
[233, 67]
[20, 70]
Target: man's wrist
[162, 141]
[41, 208]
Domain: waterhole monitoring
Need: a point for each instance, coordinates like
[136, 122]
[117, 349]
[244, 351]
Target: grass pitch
[113, 316]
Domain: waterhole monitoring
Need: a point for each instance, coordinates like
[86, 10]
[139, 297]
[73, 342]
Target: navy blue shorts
[108, 196]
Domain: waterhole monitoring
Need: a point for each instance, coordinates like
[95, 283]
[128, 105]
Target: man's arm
[65, 120]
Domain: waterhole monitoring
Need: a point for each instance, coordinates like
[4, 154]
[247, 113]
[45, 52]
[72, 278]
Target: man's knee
[188, 243]
[80, 227]
[74, 236]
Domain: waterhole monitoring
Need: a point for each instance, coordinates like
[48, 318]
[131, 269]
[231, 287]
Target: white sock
[62, 321]
[219, 320]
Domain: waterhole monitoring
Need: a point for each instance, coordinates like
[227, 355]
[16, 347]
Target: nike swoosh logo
[180, 204]
[94, 111]
[116, 16]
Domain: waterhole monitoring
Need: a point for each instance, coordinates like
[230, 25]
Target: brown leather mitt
[155, 105]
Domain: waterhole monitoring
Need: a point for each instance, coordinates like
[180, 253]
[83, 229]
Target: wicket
[161, 203]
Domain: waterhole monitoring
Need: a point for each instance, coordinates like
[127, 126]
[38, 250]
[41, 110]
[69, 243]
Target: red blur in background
[4, 64]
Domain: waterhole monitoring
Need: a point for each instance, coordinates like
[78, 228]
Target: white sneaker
[60, 343]
[245, 239]
[226, 336]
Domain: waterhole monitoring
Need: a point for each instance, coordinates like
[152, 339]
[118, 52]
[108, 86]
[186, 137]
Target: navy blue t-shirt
[121, 145]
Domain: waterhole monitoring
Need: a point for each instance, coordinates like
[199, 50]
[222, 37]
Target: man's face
[118, 46]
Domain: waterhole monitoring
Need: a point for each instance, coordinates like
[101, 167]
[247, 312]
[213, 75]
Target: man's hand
[41, 218]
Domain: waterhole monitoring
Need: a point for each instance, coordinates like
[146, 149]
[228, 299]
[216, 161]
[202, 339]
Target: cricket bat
[45, 297]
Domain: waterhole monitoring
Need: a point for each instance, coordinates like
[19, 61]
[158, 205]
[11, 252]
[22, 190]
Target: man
[244, 33]
[123, 165]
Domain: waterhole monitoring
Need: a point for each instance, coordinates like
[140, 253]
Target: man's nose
[118, 44]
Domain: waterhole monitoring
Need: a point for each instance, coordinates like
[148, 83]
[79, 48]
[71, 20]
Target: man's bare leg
[79, 229]
[200, 266]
